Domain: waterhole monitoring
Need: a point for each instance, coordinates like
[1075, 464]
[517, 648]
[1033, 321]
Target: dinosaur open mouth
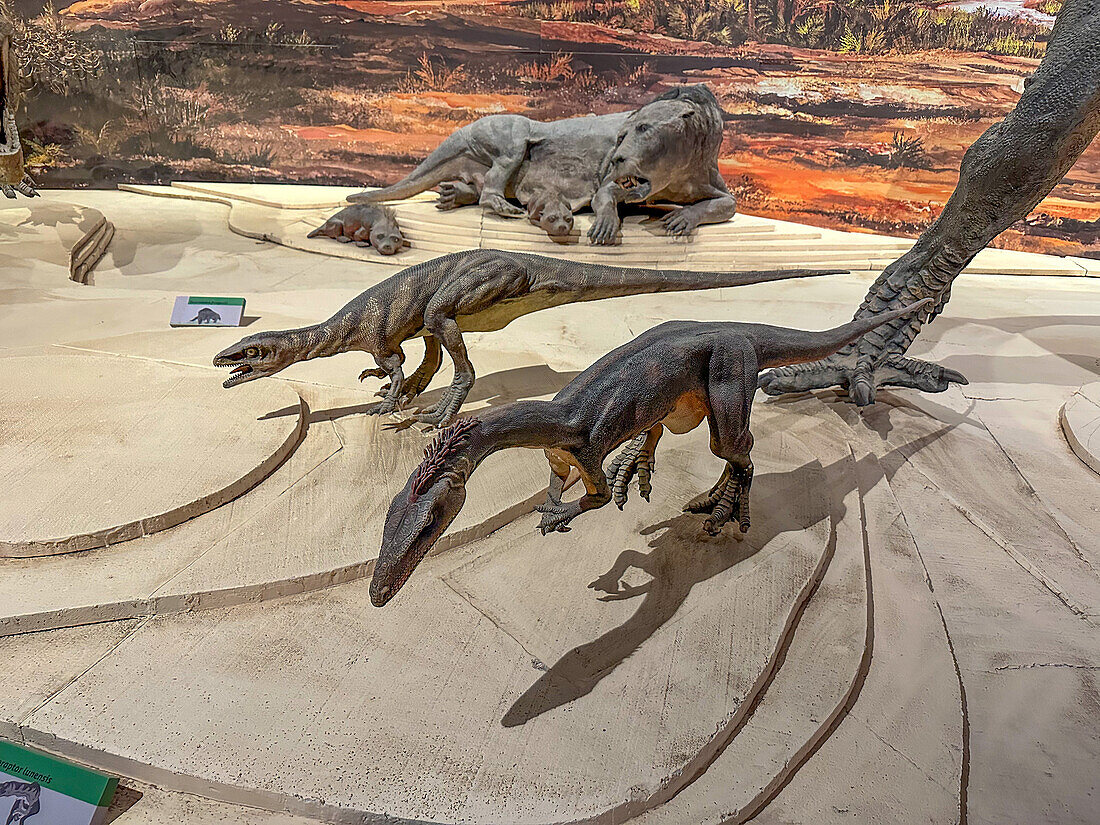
[238, 373]
[634, 187]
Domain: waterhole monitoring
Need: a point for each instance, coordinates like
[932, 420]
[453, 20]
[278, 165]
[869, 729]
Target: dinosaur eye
[643, 127]
[251, 352]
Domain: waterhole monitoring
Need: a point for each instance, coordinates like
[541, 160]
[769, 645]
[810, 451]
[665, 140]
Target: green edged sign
[39, 789]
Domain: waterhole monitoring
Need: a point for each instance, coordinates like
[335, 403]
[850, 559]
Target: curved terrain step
[1080, 420]
[91, 463]
[315, 522]
[535, 700]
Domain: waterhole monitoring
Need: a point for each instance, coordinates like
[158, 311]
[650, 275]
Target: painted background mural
[844, 113]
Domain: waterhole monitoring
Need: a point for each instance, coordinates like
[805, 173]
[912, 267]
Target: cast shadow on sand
[682, 556]
[495, 389]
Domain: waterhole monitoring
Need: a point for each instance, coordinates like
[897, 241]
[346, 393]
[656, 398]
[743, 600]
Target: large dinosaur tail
[444, 163]
[778, 347]
[594, 282]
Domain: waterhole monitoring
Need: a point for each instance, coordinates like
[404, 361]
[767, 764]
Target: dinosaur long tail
[593, 282]
[777, 347]
[444, 163]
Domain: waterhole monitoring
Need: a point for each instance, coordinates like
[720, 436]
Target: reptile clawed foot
[678, 224]
[374, 373]
[499, 206]
[556, 517]
[859, 377]
[727, 500]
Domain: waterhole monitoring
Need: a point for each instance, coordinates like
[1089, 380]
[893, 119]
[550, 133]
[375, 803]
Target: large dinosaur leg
[1004, 175]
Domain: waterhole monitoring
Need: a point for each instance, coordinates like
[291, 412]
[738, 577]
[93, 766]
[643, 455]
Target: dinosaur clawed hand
[727, 500]
[861, 376]
[634, 458]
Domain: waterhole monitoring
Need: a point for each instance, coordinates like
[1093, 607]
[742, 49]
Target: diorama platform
[908, 633]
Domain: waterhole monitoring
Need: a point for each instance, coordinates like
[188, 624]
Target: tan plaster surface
[908, 634]
[99, 450]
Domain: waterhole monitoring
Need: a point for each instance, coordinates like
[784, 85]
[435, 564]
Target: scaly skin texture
[1004, 175]
[13, 179]
[26, 805]
[479, 290]
[672, 377]
[364, 225]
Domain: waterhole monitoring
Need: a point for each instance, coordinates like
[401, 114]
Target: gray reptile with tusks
[479, 290]
[672, 376]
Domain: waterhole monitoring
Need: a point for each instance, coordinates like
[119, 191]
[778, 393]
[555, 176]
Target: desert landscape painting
[850, 114]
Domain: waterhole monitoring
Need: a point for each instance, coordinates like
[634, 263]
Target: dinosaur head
[431, 499]
[260, 355]
[671, 139]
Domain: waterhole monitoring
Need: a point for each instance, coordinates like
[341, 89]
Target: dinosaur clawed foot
[634, 458]
[860, 376]
[556, 517]
[24, 187]
[728, 500]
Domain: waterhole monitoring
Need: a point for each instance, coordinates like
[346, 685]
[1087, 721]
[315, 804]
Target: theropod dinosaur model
[13, 179]
[26, 805]
[1004, 175]
[479, 290]
[673, 376]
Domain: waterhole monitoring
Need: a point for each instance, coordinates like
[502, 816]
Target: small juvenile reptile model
[673, 376]
[364, 225]
[479, 290]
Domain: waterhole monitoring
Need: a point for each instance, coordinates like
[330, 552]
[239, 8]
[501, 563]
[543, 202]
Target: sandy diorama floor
[908, 633]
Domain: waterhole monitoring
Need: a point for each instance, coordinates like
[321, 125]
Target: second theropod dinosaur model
[673, 376]
[479, 290]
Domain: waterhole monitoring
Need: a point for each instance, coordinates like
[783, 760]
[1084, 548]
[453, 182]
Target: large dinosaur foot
[860, 377]
[726, 500]
[635, 457]
[440, 414]
[24, 187]
[556, 517]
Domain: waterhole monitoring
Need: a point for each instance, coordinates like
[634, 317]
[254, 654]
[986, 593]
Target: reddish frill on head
[443, 446]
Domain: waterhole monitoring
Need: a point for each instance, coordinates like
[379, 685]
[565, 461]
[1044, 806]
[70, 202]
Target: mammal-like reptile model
[13, 179]
[673, 376]
[556, 179]
[665, 152]
[491, 150]
[364, 224]
[26, 805]
[479, 290]
[206, 316]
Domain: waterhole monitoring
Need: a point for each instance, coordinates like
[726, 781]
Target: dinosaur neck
[315, 341]
[533, 424]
